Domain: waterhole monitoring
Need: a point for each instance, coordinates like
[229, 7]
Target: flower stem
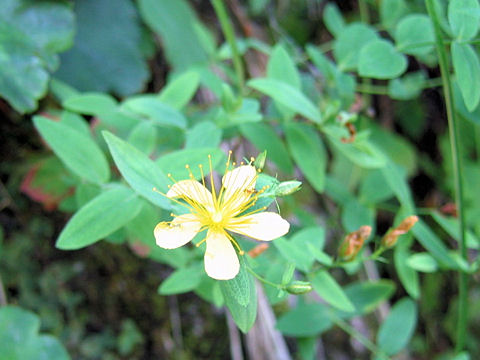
[229, 34]
[457, 166]
[350, 330]
[265, 281]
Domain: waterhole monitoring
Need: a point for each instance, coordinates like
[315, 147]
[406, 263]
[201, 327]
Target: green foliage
[398, 327]
[77, 151]
[241, 298]
[339, 129]
[31, 35]
[99, 218]
[20, 338]
[112, 62]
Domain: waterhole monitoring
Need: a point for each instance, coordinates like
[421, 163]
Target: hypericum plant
[231, 210]
[312, 113]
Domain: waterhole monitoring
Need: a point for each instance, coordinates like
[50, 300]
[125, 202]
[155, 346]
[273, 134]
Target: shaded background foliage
[100, 301]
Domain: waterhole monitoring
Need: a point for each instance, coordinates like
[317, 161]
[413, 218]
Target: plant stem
[350, 330]
[457, 167]
[262, 279]
[229, 34]
[3, 297]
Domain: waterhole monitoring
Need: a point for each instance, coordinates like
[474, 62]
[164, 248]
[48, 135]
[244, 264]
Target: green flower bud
[299, 287]
[287, 187]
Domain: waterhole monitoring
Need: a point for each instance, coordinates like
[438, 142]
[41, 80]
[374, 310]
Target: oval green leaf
[91, 103]
[99, 218]
[379, 60]
[328, 288]
[140, 172]
[241, 297]
[288, 96]
[467, 71]
[77, 151]
[464, 18]
[308, 150]
[397, 329]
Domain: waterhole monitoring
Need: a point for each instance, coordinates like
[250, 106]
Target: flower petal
[193, 190]
[238, 185]
[171, 235]
[221, 260]
[262, 226]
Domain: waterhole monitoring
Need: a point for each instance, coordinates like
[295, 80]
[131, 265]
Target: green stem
[3, 297]
[457, 166]
[477, 141]
[383, 90]
[350, 330]
[229, 34]
[265, 281]
[364, 14]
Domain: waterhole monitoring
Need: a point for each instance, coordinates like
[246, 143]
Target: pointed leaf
[99, 218]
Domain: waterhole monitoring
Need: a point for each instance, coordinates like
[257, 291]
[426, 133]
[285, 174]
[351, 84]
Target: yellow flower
[220, 214]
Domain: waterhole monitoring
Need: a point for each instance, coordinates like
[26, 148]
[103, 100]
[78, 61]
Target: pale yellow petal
[238, 184]
[192, 190]
[221, 260]
[178, 232]
[262, 226]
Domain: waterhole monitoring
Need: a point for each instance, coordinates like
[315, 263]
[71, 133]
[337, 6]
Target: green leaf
[414, 35]
[20, 339]
[204, 134]
[433, 244]
[180, 90]
[288, 96]
[305, 320]
[182, 280]
[140, 172]
[422, 262]
[77, 151]
[397, 329]
[407, 87]
[350, 42]
[332, 17]
[265, 138]
[355, 214]
[464, 18]
[407, 275]
[76, 122]
[297, 249]
[31, 33]
[366, 296]
[281, 67]
[452, 226]
[379, 60]
[241, 298]
[174, 163]
[143, 137]
[155, 110]
[105, 57]
[91, 103]
[99, 218]
[309, 153]
[183, 39]
[398, 183]
[391, 11]
[467, 71]
[328, 288]
[374, 189]
[361, 151]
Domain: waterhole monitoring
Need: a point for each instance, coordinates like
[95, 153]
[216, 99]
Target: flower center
[217, 217]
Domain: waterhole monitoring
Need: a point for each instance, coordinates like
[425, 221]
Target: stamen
[212, 184]
[235, 243]
[200, 242]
